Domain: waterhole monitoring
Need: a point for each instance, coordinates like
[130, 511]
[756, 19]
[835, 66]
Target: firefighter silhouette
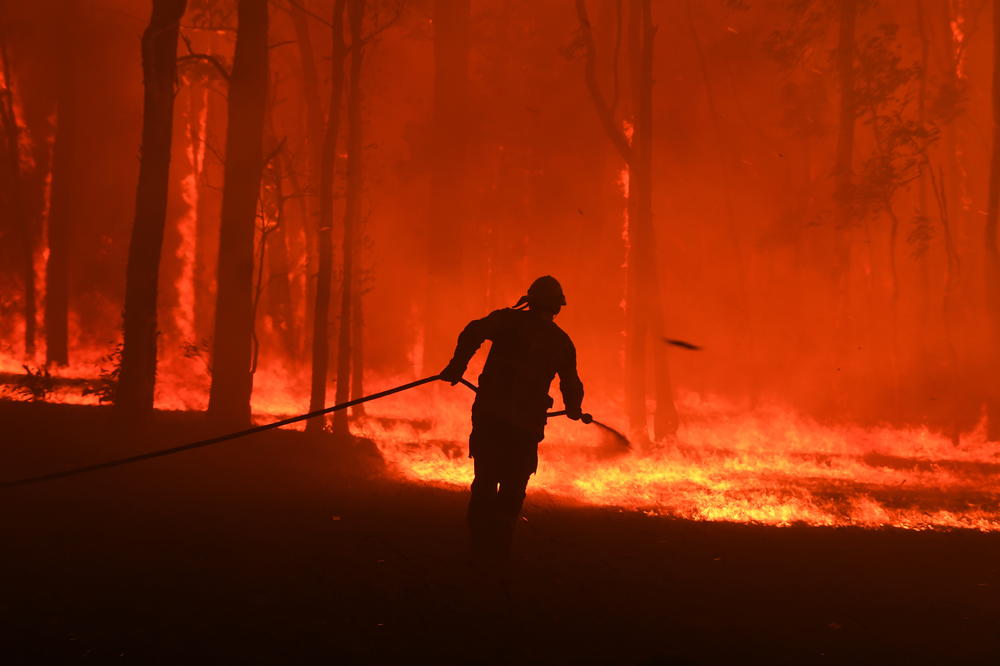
[508, 416]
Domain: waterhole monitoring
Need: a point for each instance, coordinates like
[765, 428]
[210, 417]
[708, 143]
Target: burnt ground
[285, 549]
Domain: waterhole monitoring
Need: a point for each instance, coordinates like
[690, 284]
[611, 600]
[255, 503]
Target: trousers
[504, 457]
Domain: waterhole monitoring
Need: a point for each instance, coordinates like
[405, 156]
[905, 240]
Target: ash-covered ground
[285, 549]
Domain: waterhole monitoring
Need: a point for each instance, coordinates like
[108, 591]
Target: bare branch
[205, 57]
[604, 111]
[309, 13]
[202, 57]
[274, 153]
[209, 28]
[385, 26]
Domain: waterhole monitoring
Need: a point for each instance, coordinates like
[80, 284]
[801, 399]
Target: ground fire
[775, 223]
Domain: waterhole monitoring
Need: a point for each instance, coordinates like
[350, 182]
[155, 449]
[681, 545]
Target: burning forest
[775, 223]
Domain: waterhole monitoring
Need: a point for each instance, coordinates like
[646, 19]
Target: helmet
[546, 294]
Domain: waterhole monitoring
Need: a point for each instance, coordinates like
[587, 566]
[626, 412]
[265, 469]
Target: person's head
[545, 295]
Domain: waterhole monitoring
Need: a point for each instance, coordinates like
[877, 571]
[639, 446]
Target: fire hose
[586, 418]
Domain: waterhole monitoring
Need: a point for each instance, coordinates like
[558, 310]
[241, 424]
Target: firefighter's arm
[469, 341]
[570, 385]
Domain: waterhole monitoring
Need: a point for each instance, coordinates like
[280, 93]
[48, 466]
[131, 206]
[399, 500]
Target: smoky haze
[486, 164]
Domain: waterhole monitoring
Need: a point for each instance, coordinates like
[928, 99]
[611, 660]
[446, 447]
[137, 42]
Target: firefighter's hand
[574, 413]
[452, 374]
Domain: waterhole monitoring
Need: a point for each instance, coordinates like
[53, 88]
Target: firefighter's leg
[483, 508]
[508, 509]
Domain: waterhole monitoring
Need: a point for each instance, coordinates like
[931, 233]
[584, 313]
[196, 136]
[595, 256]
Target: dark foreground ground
[278, 549]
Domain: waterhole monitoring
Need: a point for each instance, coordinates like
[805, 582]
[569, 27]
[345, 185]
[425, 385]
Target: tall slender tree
[644, 308]
[232, 381]
[447, 209]
[992, 252]
[315, 124]
[843, 182]
[19, 210]
[357, 330]
[847, 112]
[352, 212]
[136, 384]
[278, 282]
[63, 195]
[328, 163]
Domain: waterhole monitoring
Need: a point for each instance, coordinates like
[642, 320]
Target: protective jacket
[528, 350]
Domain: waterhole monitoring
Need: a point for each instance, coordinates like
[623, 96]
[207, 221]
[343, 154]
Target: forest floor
[283, 548]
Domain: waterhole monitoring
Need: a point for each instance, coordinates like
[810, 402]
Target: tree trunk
[209, 215]
[949, 308]
[643, 305]
[232, 382]
[22, 220]
[136, 384]
[297, 238]
[873, 342]
[324, 235]
[447, 210]
[924, 345]
[62, 208]
[846, 114]
[358, 343]
[842, 173]
[195, 134]
[352, 213]
[315, 146]
[636, 331]
[992, 254]
[641, 218]
[279, 286]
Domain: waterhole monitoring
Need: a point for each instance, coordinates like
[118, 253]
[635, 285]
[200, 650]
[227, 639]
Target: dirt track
[279, 549]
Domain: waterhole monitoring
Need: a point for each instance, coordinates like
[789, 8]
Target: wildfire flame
[767, 466]
[770, 466]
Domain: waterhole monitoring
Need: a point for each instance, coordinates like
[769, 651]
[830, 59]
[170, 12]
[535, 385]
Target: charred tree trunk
[209, 213]
[62, 210]
[358, 343]
[447, 208]
[297, 239]
[195, 133]
[279, 287]
[949, 187]
[352, 213]
[324, 235]
[922, 225]
[847, 110]
[643, 301]
[992, 253]
[136, 384]
[881, 147]
[842, 173]
[665, 416]
[636, 291]
[232, 382]
[22, 220]
[949, 307]
[315, 146]
[35, 199]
